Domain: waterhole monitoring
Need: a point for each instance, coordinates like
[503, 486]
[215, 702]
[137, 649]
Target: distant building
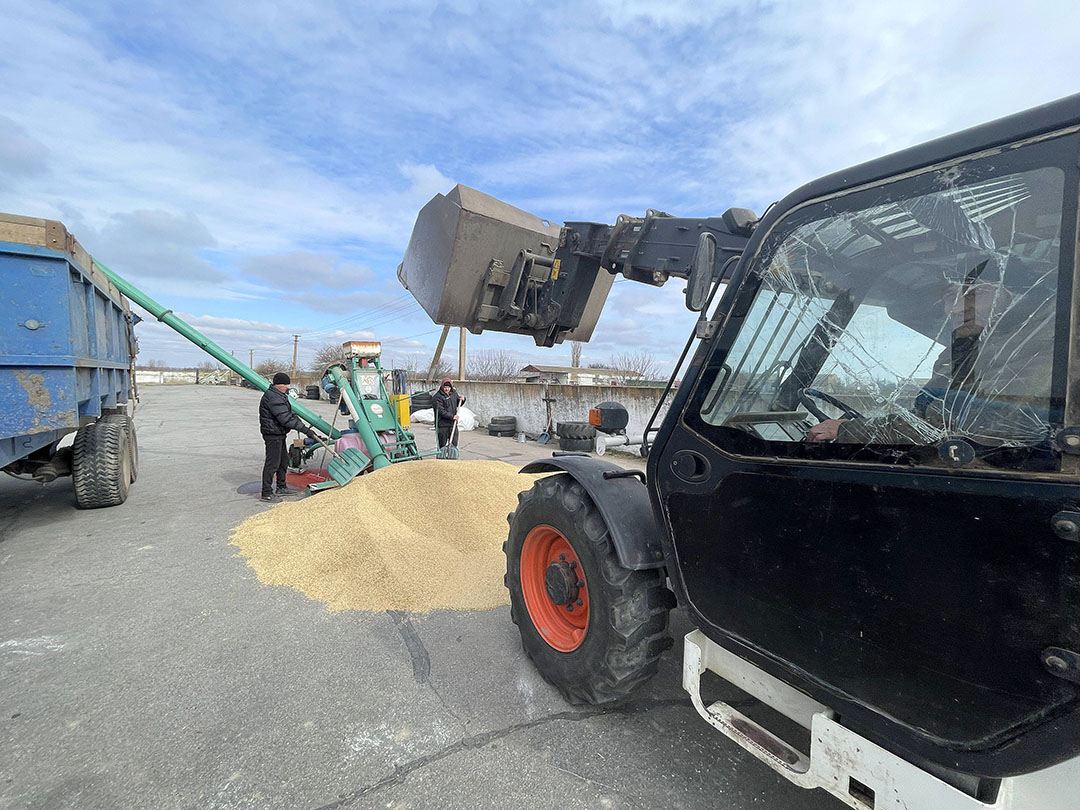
[568, 375]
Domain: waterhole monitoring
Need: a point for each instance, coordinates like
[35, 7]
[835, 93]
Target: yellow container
[401, 405]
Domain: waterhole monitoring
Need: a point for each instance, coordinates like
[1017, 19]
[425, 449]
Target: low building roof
[612, 372]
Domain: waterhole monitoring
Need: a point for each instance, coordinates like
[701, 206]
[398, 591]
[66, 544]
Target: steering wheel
[808, 395]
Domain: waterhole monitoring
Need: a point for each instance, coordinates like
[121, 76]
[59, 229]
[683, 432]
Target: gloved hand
[311, 434]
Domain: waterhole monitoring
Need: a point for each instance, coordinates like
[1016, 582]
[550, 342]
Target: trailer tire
[575, 430]
[610, 644]
[133, 440]
[101, 464]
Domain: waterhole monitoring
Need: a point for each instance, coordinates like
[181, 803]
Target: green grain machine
[358, 377]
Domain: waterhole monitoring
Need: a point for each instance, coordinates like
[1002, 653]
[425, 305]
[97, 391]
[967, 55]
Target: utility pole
[461, 354]
[251, 358]
[295, 342]
[438, 354]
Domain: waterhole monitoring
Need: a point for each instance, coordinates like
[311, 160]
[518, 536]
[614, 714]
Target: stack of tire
[312, 391]
[421, 401]
[502, 426]
[575, 436]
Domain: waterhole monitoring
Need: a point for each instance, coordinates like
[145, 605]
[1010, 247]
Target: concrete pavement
[144, 666]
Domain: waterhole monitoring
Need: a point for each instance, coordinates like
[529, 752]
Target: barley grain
[416, 536]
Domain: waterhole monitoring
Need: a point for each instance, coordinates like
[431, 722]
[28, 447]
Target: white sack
[466, 419]
[425, 416]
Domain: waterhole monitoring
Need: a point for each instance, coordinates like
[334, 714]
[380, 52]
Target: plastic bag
[425, 416]
[466, 419]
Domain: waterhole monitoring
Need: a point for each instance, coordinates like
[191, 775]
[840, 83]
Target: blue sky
[257, 166]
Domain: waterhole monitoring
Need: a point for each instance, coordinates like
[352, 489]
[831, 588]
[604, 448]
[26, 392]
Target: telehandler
[865, 490]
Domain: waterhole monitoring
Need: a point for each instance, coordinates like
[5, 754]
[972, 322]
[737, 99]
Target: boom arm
[477, 262]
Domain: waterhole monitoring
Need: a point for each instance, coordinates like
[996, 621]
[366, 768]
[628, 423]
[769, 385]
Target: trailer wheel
[101, 464]
[594, 629]
[133, 440]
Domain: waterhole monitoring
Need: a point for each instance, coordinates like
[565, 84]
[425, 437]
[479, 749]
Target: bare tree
[641, 362]
[575, 353]
[152, 364]
[493, 364]
[443, 369]
[268, 368]
[326, 355]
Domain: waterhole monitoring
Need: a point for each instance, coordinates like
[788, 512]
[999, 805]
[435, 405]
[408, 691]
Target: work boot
[284, 491]
[270, 497]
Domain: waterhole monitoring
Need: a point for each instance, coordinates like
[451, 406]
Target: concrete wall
[153, 376]
[570, 403]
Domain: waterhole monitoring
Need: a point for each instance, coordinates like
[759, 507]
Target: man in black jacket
[276, 419]
[446, 400]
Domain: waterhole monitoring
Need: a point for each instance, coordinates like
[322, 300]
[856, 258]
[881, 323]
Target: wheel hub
[561, 582]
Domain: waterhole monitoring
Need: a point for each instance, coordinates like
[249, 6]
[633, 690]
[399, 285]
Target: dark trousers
[277, 463]
[443, 433]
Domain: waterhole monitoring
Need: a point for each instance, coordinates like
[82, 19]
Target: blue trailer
[67, 354]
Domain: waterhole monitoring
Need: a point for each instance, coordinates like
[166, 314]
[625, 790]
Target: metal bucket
[520, 438]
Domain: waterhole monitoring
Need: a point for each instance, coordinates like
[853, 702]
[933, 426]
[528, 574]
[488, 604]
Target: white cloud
[22, 156]
[189, 145]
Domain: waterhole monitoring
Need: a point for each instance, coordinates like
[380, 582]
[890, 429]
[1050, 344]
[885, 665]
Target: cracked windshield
[920, 318]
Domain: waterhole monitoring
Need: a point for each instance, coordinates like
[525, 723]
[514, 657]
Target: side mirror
[702, 266]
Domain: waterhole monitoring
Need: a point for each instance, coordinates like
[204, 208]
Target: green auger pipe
[363, 427]
[167, 317]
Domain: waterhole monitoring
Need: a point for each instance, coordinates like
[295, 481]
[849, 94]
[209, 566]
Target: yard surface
[144, 666]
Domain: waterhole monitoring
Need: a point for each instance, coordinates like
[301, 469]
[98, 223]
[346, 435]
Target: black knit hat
[281, 378]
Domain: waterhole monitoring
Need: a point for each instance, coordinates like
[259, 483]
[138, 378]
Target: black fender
[623, 502]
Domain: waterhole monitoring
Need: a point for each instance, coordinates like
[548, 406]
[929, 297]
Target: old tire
[503, 422]
[133, 440]
[575, 430]
[101, 464]
[576, 445]
[559, 553]
[500, 430]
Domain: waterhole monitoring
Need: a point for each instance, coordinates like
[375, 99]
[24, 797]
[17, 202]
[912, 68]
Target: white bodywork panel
[838, 755]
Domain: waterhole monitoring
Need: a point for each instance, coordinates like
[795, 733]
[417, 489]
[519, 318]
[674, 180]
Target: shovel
[449, 451]
[346, 465]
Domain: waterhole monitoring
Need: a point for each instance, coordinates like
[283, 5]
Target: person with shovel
[447, 400]
[276, 419]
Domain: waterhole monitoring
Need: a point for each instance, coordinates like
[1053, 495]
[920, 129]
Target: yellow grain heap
[417, 536]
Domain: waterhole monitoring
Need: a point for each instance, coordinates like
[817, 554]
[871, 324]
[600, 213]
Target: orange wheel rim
[553, 584]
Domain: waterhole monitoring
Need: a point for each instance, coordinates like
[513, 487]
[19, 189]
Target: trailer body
[67, 346]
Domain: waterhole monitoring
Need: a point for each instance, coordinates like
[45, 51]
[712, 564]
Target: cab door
[912, 569]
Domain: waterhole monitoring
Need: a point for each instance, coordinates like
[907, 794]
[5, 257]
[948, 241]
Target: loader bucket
[468, 249]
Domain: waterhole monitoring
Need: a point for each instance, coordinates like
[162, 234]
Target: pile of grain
[417, 536]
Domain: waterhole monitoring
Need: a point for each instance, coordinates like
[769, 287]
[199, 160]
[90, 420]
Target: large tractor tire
[101, 464]
[576, 445]
[575, 430]
[594, 629]
[133, 440]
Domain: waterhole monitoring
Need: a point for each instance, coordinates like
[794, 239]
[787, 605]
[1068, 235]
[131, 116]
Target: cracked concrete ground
[144, 666]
